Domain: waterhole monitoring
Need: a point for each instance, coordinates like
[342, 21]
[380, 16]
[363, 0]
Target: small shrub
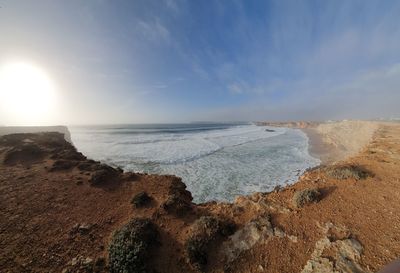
[61, 165]
[349, 171]
[303, 197]
[130, 246]
[140, 199]
[207, 226]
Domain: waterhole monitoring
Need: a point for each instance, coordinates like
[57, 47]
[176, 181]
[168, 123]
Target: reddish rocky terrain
[62, 212]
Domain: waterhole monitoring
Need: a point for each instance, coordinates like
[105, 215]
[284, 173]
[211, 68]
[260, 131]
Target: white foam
[215, 164]
[172, 148]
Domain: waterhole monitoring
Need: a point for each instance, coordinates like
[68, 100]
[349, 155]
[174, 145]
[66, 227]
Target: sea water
[215, 161]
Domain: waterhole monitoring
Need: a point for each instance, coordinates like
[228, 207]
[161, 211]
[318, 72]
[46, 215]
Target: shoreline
[316, 146]
[242, 164]
[352, 222]
[339, 141]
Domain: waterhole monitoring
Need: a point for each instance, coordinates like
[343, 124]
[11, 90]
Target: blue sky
[180, 61]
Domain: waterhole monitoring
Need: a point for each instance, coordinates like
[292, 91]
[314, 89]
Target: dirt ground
[56, 216]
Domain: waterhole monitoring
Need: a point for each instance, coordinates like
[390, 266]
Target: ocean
[215, 161]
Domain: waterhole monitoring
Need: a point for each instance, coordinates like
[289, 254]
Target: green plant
[303, 197]
[129, 247]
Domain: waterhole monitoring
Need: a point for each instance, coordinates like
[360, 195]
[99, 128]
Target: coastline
[353, 222]
[317, 148]
[336, 141]
[216, 164]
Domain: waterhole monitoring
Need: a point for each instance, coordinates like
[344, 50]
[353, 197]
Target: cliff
[62, 212]
[6, 130]
[289, 124]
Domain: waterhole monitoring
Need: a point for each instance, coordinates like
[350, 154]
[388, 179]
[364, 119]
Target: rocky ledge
[62, 212]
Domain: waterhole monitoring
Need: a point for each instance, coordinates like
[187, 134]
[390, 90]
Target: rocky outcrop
[257, 231]
[8, 130]
[334, 255]
[29, 149]
[74, 212]
[179, 200]
[291, 124]
[140, 199]
[204, 231]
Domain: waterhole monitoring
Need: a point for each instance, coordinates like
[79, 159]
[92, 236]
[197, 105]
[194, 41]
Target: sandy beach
[340, 140]
[342, 216]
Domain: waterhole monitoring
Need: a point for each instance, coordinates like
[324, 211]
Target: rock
[204, 230]
[306, 196]
[61, 165]
[79, 264]
[179, 200]
[82, 229]
[255, 197]
[74, 261]
[87, 262]
[85, 166]
[252, 233]
[277, 188]
[103, 175]
[24, 154]
[345, 254]
[130, 176]
[69, 154]
[140, 199]
[242, 201]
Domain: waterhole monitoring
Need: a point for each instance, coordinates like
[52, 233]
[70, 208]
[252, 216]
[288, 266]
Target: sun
[27, 95]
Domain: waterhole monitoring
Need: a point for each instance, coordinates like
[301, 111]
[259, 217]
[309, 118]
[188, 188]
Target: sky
[181, 61]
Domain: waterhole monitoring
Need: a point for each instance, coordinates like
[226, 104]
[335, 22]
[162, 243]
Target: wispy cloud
[154, 31]
[173, 5]
[218, 60]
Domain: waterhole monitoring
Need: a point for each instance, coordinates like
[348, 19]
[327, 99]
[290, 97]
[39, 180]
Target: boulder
[256, 231]
[179, 200]
[140, 199]
[205, 230]
[102, 175]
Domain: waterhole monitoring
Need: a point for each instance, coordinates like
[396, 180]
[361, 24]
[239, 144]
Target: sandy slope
[53, 217]
[346, 138]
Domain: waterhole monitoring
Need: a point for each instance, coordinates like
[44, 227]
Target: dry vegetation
[83, 216]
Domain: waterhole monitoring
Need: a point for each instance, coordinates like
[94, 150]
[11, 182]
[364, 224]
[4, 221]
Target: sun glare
[27, 95]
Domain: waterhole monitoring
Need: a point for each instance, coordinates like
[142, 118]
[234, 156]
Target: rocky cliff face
[6, 130]
[62, 212]
[291, 124]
